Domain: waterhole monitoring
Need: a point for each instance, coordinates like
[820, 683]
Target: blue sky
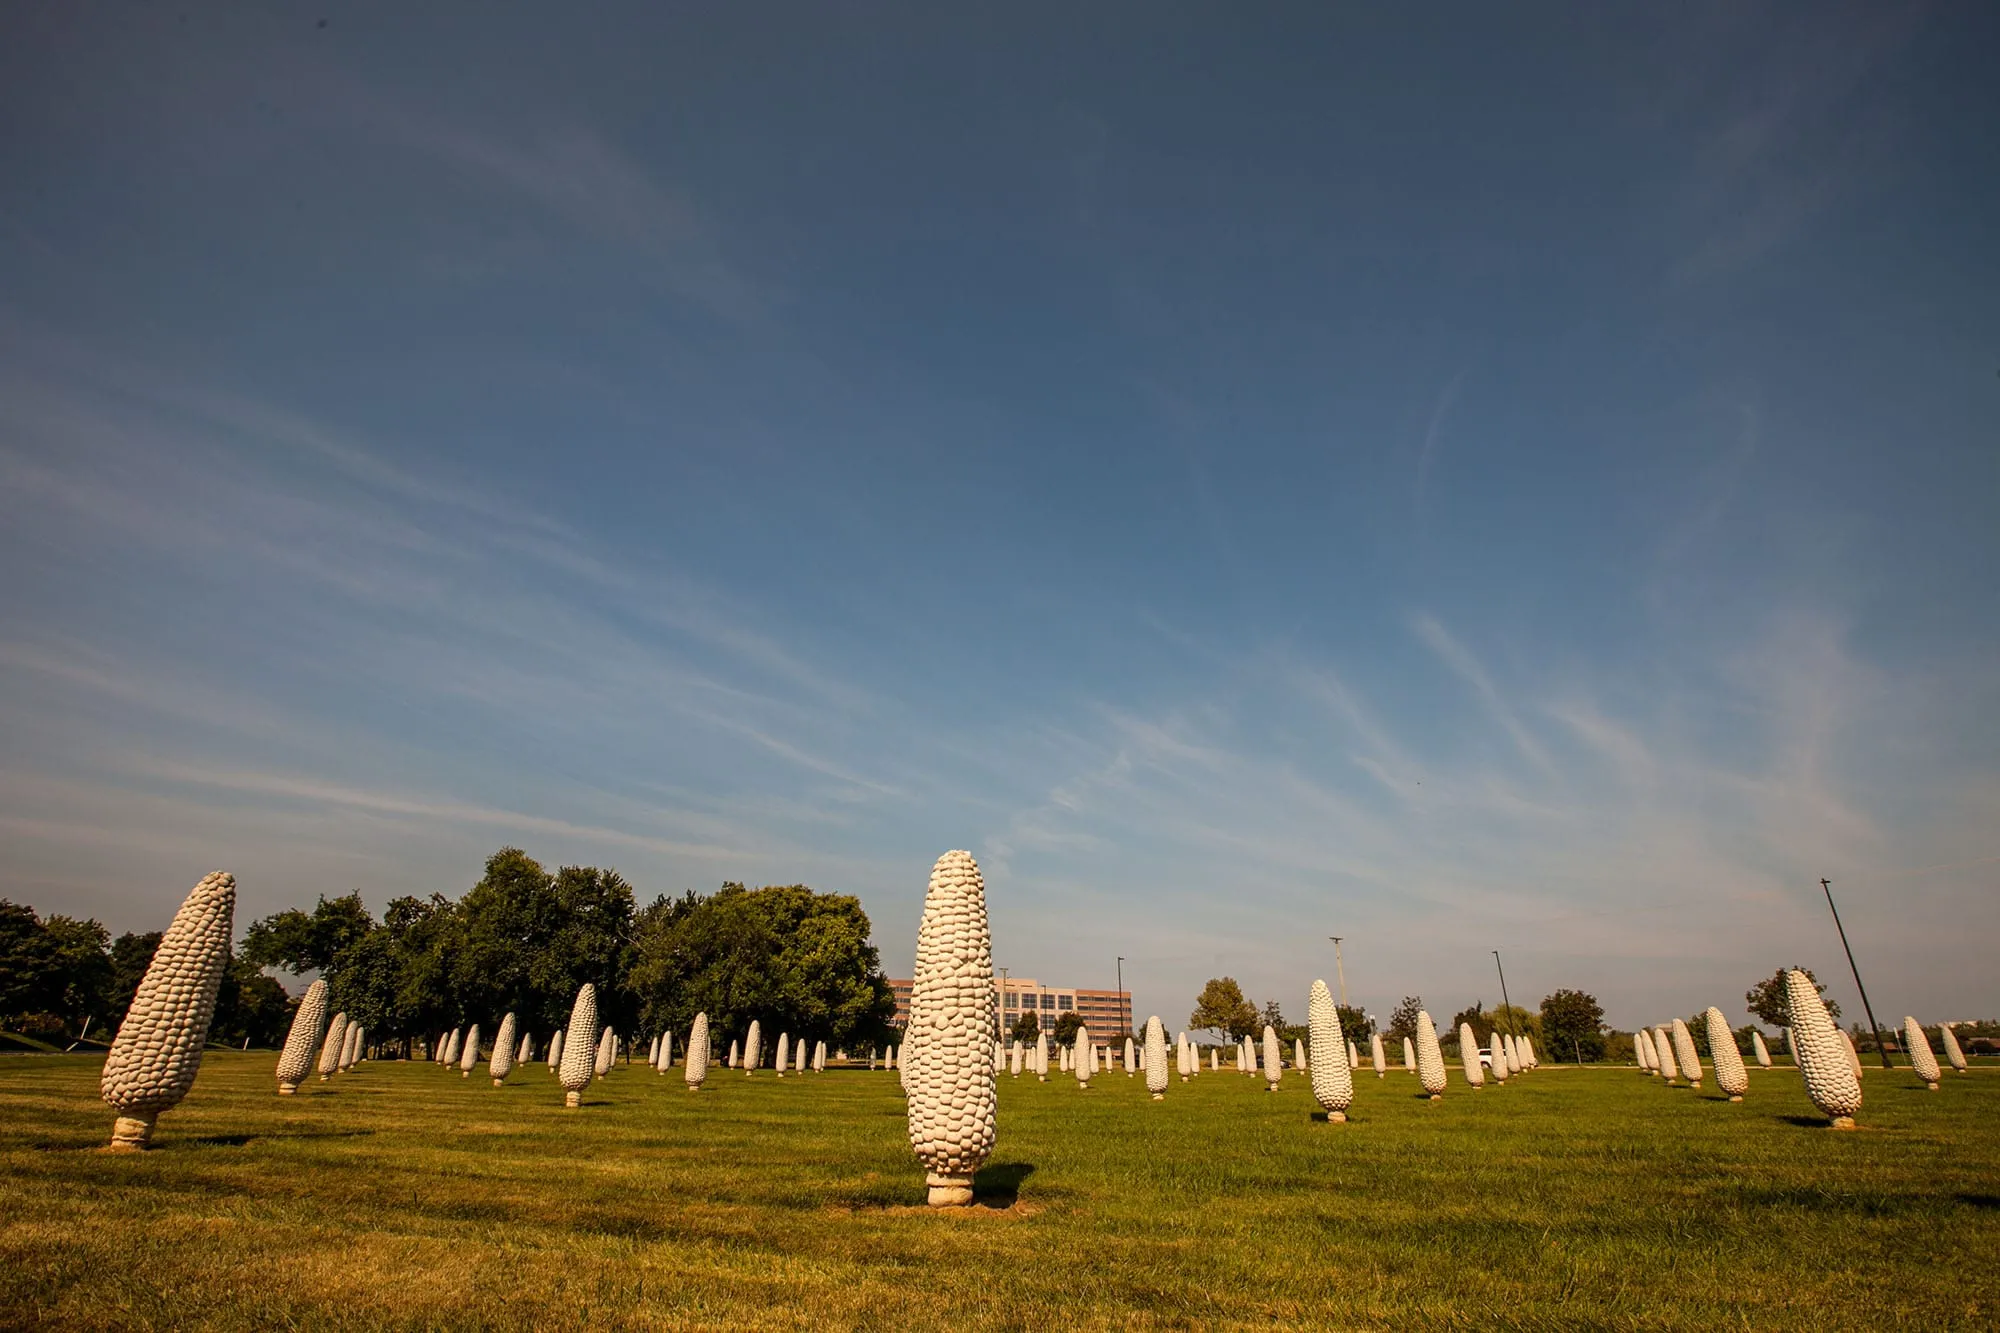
[1460, 481]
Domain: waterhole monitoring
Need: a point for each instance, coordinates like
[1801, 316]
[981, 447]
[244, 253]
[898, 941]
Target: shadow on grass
[1805, 1121]
[999, 1185]
[1980, 1200]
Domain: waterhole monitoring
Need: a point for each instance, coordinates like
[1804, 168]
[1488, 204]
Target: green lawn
[402, 1195]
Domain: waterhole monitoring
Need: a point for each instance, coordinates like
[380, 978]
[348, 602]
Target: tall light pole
[1505, 1003]
[1124, 1003]
[1826, 886]
[1339, 969]
[1000, 1010]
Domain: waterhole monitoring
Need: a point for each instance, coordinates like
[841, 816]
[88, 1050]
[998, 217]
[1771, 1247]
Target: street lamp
[1826, 886]
[1339, 969]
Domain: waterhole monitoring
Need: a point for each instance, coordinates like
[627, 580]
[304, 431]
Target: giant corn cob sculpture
[697, 1053]
[1730, 1074]
[1468, 1058]
[470, 1056]
[1821, 1056]
[1353, 1058]
[1409, 1055]
[1332, 1080]
[1642, 1051]
[1156, 1058]
[157, 1052]
[1274, 1064]
[819, 1057]
[504, 1051]
[607, 1051]
[350, 1047]
[1951, 1051]
[1757, 1047]
[451, 1048]
[1129, 1052]
[1853, 1056]
[1663, 1051]
[1684, 1054]
[1430, 1060]
[1042, 1057]
[579, 1055]
[556, 1052]
[1079, 1056]
[329, 1051]
[1014, 1061]
[784, 1052]
[1377, 1056]
[1299, 1057]
[295, 1062]
[1921, 1060]
[953, 1099]
[753, 1049]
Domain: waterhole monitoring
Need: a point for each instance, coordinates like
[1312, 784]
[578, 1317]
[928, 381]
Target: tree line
[523, 939]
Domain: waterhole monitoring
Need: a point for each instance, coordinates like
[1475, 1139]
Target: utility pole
[1339, 969]
[1124, 1003]
[1000, 1010]
[1826, 886]
[1505, 1003]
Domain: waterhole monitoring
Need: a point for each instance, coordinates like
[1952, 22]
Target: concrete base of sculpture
[1843, 1122]
[498, 1082]
[132, 1133]
[948, 1191]
[1931, 1086]
[324, 1077]
[1437, 1096]
[1336, 1117]
[1737, 1098]
[1159, 1096]
[572, 1099]
[1696, 1085]
[465, 1073]
[287, 1089]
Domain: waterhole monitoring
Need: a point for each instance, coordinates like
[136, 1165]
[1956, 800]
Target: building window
[1013, 1001]
[1068, 1002]
[1048, 1002]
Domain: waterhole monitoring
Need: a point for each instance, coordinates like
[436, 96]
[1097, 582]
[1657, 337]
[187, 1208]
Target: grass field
[403, 1196]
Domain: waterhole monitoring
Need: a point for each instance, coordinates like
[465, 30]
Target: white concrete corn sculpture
[1332, 1080]
[1299, 1057]
[157, 1052]
[607, 1050]
[1377, 1056]
[1853, 1056]
[1079, 1056]
[1642, 1051]
[1353, 1058]
[470, 1056]
[1821, 1056]
[526, 1051]
[579, 1056]
[663, 1052]
[1430, 1060]
[504, 1051]
[329, 1051]
[1129, 1052]
[1156, 1058]
[1921, 1060]
[1014, 1061]
[308, 1026]
[1528, 1050]
[1468, 1058]
[1730, 1075]
[556, 1052]
[784, 1052]
[819, 1057]
[1274, 1064]
[696, 1055]
[1663, 1051]
[1951, 1050]
[753, 1049]
[1684, 1054]
[953, 1099]
[350, 1047]
[1409, 1055]
[1762, 1052]
[1042, 1057]
[451, 1048]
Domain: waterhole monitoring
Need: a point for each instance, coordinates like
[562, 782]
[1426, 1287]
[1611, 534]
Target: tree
[1403, 1019]
[795, 960]
[1272, 1017]
[1766, 999]
[1573, 1026]
[131, 955]
[1026, 1028]
[1355, 1025]
[250, 1007]
[1221, 1006]
[301, 942]
[1476, 1015]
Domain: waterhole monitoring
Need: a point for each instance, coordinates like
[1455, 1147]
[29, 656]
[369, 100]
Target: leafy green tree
[1356, 1024]
[1573, 1026]
[77, 984]
[131, 955]
[1403, 1019]
[1026, 1029]
[1221, 1006]
[1066, 1027]
[23, 960]
[795, 960]
[300, 942]
[1767, 1001]
[250, 1008]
